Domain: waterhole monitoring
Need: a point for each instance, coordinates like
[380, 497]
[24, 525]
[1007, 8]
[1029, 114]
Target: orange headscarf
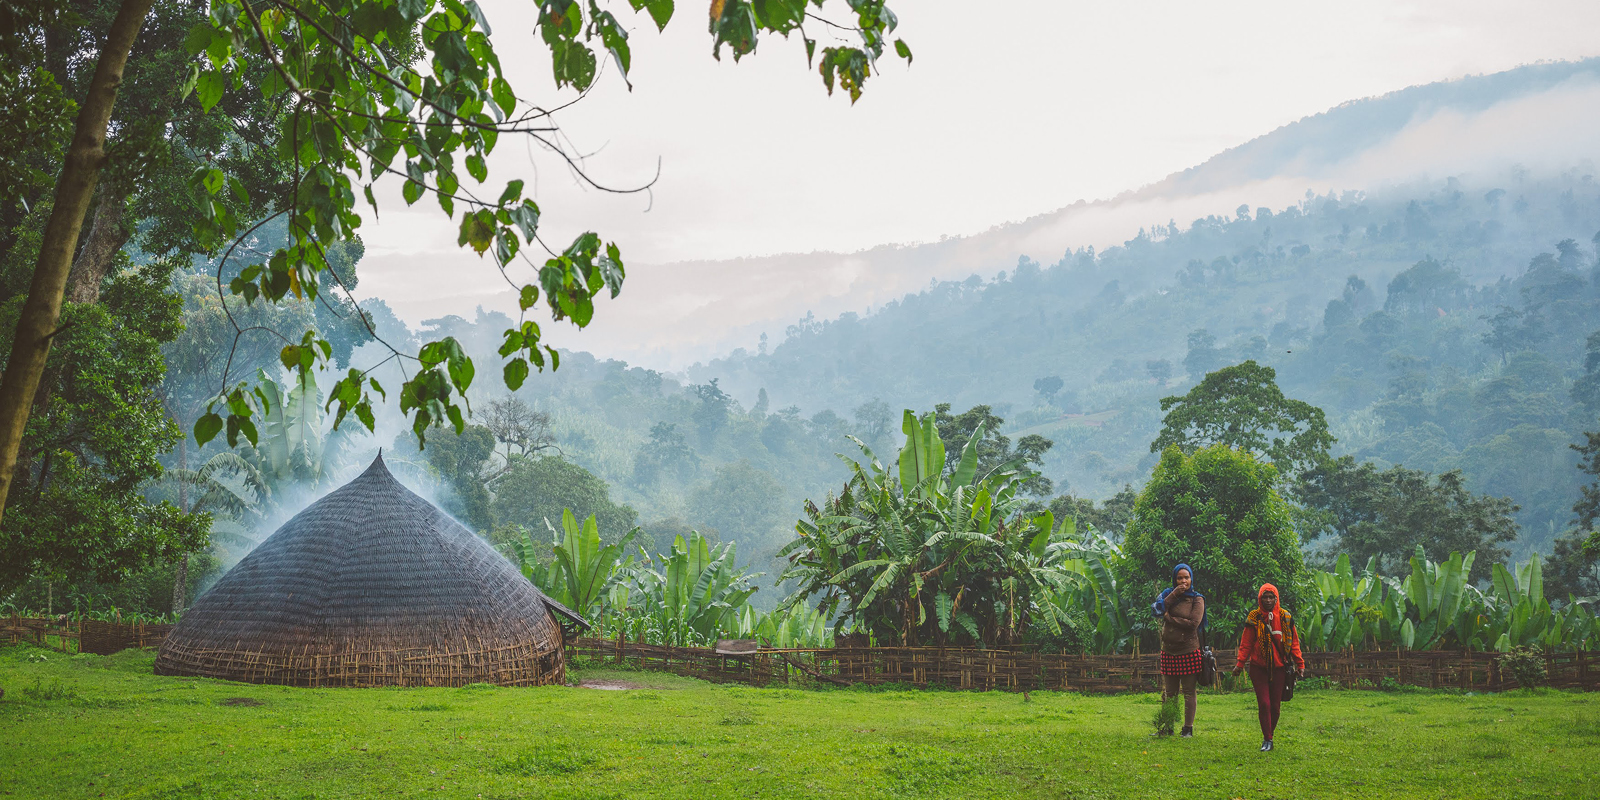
[1279, 621]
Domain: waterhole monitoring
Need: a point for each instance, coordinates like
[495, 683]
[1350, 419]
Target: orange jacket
[1252, 650]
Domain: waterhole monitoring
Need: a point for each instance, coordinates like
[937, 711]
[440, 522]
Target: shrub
[1525, 665]
[54, 690]
[1167, 715]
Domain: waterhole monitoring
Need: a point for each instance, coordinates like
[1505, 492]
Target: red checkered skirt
[1186, 664]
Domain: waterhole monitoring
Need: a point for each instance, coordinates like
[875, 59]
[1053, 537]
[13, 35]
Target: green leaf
[476, 168]
[208, 89]
[526, 217]
[477, 230]
[189, 84]
[660, 11]
[207, 427]
[461, 374]
[478, 17]
[530, 295]
[503, 96]
[214, 180]
[512, 193]
[413, 10]
[903, 50]
[516, 371]
[611, 269]
[412, 192]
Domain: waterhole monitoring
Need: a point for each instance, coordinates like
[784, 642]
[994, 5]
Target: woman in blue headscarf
[1183, 616]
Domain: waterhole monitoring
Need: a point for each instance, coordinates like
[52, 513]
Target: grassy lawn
[92, 726]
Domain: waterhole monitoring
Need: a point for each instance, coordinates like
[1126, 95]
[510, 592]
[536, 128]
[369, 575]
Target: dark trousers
[1187, 685]
[1268, 684]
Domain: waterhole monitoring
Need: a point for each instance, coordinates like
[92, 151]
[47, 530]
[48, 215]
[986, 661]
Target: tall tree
[358, 82]
[1242, 407]
[1203, 355]
[1389, 513]
[1218, 510]
[995, 452]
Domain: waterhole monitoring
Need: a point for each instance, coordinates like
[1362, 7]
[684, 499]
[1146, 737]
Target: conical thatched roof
[370, 586]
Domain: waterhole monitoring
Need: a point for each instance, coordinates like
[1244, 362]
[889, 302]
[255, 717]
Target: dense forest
[1441, 326]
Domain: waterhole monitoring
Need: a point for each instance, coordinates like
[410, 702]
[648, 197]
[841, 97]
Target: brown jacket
[1180, 626]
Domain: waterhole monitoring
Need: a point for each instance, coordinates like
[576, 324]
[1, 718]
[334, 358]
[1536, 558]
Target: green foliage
[994, 451]
[1242, 407]
[742, 503]
[1388, 513]
[1167, 715]
[1089, 590]
[1216, 509]
[1526, 664]
[689, 596]
[534, 491]
[582, 570]
[1435, 606]
[368, 82]
[462, 460]
[96, 434]
[927, 555]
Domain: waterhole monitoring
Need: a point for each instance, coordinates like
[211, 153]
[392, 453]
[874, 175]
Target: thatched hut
[371, 586]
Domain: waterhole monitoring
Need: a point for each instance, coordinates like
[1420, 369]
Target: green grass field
[93, 726]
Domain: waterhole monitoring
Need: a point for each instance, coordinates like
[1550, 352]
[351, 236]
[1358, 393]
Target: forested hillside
[1441, 326]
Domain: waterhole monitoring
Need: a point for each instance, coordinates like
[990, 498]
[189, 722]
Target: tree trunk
[106, 238]
[80, 171]
[180, 583]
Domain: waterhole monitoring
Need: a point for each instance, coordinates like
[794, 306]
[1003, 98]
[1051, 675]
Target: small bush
[1315, 683]
[1167, 716]
[54, 690]
[1525, 665]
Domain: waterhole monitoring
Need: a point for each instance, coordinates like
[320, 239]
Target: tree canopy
[1242, 407]
[1389, 513]
[331, 97]
[1219, 511]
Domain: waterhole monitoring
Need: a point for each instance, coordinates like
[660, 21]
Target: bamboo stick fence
[88, 636]
[928, 667]
[1022, 670]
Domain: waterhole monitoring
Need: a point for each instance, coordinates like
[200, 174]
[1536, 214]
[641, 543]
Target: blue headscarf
[1159, 607]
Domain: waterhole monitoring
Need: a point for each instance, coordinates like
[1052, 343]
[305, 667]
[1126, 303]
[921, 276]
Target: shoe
[1266, 746]
[1188, 732]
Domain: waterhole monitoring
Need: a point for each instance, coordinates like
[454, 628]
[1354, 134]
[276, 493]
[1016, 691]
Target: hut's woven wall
[370, 586]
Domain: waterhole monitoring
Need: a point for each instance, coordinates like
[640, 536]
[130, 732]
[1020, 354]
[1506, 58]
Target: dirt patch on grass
[609, 684]
[241, 701]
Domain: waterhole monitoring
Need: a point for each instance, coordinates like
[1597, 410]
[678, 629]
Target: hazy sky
[1011, 109]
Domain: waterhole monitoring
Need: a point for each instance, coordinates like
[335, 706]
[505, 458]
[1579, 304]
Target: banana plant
[1516, 612]
[1344, 611]
[1087, 584]
[583, 570]
[786, 627]
[697, 592]
[1445, 604]
[924, 555]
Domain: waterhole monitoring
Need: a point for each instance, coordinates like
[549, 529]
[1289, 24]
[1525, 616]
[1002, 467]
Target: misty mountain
[1538, 118]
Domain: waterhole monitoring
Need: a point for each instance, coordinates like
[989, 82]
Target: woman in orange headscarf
[1270, 646]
